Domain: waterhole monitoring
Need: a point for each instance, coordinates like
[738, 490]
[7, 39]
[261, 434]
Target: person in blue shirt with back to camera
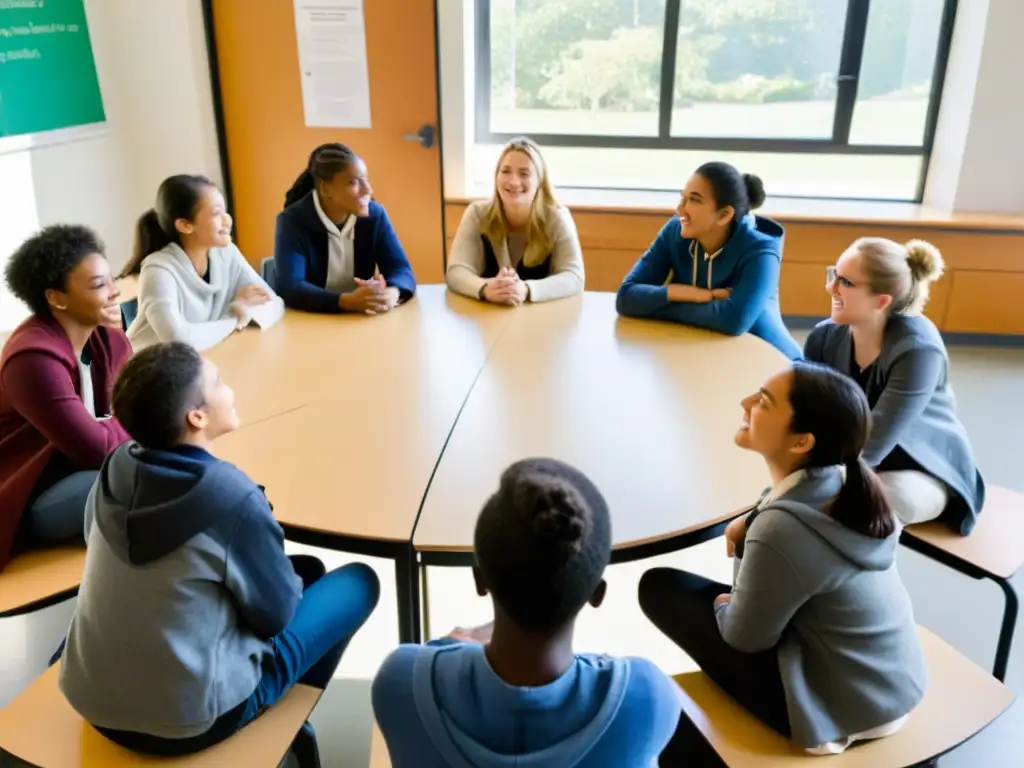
[715, 265]
[524, 697]
[334, 247]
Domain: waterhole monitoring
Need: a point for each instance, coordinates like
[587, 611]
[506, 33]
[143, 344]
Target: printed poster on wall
[48, 77]
[332, 63]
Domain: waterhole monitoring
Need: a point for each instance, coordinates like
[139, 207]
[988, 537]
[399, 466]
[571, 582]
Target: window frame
[850, 59]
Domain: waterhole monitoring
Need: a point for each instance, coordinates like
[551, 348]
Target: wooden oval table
[385, 435]
[647, 410]
[346, 417]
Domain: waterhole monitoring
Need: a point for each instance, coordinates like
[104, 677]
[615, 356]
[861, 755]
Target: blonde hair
[904, 272]
[495, 225]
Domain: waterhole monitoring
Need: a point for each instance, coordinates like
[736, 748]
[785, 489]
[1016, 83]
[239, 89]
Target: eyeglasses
[833, 276]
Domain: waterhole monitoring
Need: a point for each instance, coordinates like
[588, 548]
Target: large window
[827, 98]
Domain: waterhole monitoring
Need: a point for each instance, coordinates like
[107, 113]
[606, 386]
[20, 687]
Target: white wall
[992, 175]
[953, 127]
[151, 59]
[455, 25]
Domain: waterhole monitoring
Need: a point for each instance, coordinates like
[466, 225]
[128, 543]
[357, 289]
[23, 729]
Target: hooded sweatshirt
[444, 707]
[832, 602]
[176, 303]
[748, 264]
[185, 584]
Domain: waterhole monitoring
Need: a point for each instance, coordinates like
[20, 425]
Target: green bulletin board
[47, 74]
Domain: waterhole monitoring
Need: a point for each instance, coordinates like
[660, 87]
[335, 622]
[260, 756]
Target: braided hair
[325, 162]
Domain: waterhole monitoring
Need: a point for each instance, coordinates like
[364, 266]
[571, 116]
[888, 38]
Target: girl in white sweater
[520, 245]
[194, 284]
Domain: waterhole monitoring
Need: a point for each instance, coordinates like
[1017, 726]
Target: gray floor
[989, 384]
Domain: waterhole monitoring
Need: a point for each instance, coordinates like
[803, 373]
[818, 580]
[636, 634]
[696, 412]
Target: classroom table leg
[1006, 630]
[425, 592]
[407, 583]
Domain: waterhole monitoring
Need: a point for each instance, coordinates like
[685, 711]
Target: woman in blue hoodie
[714, 265]
[525, 698]
[816, 637]
[334, 247]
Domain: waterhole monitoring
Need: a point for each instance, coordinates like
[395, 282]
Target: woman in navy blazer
[334, 248]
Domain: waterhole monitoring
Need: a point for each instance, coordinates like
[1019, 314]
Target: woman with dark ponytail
[195, 286]
[715, 264]
[816, 637]
[335, 249]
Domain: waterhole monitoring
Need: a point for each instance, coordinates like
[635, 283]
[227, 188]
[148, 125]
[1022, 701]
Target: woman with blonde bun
[877, 335]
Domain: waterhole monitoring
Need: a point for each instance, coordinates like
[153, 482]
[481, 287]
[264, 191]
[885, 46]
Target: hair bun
[559, 513]
[755, 190]
[925, 261]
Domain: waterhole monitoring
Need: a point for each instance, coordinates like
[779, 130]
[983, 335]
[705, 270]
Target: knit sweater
[177, 304]
[42, 413]
[473, 259]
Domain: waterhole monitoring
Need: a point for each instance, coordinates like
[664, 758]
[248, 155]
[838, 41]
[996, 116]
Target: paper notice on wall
[332, 63]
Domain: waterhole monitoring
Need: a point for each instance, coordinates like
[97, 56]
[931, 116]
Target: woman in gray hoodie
[817, 636]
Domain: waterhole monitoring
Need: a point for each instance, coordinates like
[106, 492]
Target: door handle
[425, 136]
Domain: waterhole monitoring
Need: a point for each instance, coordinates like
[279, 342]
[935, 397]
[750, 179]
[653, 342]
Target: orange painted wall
[268, 143]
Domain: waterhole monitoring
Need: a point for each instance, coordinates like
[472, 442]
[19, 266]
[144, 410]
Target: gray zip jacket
[912, 407]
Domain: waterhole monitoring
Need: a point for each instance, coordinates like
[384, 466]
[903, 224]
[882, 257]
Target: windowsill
[787, 209]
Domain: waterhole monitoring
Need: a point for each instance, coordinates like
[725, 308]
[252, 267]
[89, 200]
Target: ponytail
[325, 162]
[177, 198]
[861, 505]
[149, 237]
[834, 410]
[303, 185]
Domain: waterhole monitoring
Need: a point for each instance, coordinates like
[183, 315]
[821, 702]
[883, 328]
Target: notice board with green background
[48, 76]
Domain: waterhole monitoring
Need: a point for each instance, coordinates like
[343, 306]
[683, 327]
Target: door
[268, 142]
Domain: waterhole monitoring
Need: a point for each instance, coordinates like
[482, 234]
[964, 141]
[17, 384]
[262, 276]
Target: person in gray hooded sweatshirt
[817, 636]
[524, 698]
[191, 620]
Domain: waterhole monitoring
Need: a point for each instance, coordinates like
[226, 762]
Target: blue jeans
[334, 606]
[58, 513]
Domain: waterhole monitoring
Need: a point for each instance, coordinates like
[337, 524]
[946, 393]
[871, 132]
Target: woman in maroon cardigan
[56, 373]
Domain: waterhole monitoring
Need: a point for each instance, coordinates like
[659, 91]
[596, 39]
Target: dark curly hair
[542, 543]
[44, 261]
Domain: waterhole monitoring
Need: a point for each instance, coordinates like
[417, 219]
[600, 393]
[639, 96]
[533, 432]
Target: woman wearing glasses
[878, 336]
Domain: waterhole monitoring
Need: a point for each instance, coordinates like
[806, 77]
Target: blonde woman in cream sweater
[194, 284]
[520, 245]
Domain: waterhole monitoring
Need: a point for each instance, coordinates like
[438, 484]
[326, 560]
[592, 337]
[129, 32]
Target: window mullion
[850, 59]
[482, 68]
[668, 68]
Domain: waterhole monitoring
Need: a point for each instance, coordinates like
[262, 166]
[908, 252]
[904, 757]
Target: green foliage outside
[607, 54]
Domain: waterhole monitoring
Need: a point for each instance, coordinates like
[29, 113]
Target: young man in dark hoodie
[526, 698]
[191, 620]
